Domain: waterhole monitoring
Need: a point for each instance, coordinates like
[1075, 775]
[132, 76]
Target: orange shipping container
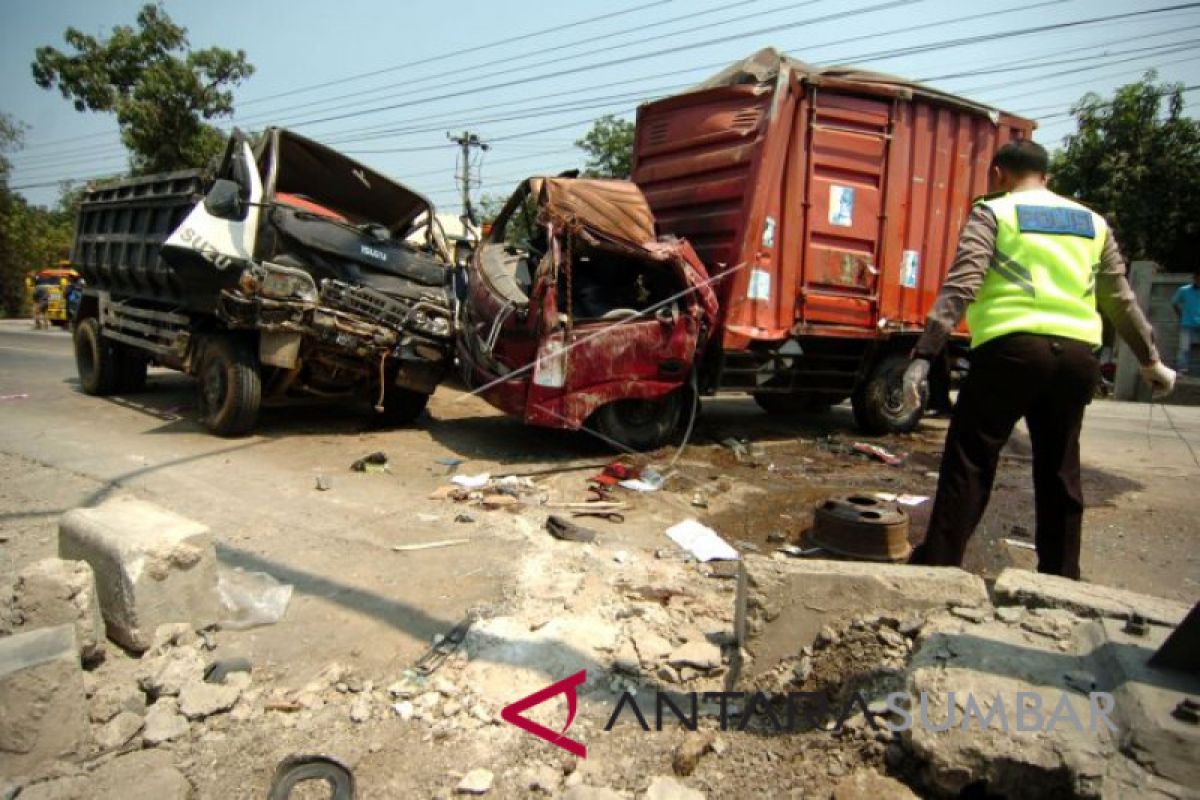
[833, 198]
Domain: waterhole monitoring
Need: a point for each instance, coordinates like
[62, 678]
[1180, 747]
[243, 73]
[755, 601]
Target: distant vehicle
[57, 281]
[293, 272]
[823, 207]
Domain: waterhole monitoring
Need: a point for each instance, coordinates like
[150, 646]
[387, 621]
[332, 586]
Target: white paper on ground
[701, 541]
[902, 499]
[471, 481]
[638, 485]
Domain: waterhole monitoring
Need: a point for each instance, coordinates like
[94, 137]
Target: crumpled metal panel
[615, 210]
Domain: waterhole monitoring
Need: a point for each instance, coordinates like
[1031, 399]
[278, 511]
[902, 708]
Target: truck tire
[229, 389]
[401, 406]
[879, 400]
[95, 359]
[641, 424]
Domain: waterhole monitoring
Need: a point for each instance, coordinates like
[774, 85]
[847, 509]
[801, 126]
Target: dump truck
[785, 232]
[829, 202]
[291, 272]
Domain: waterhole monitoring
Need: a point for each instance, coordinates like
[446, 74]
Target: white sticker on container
[910, 268]
[760, 285]
[841, 205]
[768, 237]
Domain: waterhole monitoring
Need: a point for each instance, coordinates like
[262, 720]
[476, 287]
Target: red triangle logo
[511, 713]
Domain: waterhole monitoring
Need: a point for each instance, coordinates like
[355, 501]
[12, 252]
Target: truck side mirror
[224, 200]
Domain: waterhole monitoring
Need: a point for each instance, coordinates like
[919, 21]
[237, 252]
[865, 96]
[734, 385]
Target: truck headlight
[287, 283]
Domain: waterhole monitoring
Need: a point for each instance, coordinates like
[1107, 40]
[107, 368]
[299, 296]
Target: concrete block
[43, 714]
[789, 601]
[143, 775]
[1035, 590]
[56, 592]
[152, 567]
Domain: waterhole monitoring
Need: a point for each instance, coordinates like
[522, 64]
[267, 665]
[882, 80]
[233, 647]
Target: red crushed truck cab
[808, 216]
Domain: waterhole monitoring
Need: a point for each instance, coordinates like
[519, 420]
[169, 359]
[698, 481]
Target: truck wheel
[791, 404]
[96, 359]
[878, 401]
[641, 424]
[229, 389]
[401, 406]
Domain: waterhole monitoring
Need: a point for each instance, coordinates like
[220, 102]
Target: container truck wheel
[879, 405]
[401, 406]
[641, 424]
[229, 389]
[96, 359]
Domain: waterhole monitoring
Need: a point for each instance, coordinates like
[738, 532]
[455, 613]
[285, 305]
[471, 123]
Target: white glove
[1160, 377]
[915, 376]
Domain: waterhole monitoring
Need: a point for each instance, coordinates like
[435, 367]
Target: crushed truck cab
[577, 314]
[293, 272]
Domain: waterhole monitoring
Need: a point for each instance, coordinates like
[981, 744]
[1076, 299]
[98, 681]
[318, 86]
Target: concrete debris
[118, 731]
[651, 648]
[43, 714]
[166, 675]
[220, 670]
[477, 781]
[543, 778]
[1035, 590]
[360, 709]
[1009, 614]
[867, 784]
[970, 613]
[56, 592]
[164, 722]
[826, 636]
[404, 709]
[198, 699]
[790, 601]
[664, 787]
[700, 654]
[113, 698]
[582, 791]
[151, 566]
[144, 775]
[689, 752]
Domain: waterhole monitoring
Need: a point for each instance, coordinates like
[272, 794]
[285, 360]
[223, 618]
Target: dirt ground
[335, 675]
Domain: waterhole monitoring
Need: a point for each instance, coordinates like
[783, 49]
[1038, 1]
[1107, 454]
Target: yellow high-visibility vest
[1042, 278]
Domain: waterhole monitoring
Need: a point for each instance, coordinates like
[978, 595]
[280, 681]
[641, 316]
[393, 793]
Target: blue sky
[440, 67]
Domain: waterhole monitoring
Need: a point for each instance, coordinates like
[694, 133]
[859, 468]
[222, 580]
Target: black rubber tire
[641, 424]
[878, 401]
[95, 359]
[791, 404]
[401, 406]
[228, 389]
[131, 371]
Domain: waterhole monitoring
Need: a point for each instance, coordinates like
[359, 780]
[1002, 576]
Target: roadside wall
[1154, 291]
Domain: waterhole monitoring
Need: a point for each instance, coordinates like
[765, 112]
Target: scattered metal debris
[1020, 544]
[567, 531]
[861, 527]
[879, 453]
[298, 769]
[409, 548]
[444, 646]
[375, 462]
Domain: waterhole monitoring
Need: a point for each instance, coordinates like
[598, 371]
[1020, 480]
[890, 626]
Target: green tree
[609, 147]
[1136, 159]
[161, 90]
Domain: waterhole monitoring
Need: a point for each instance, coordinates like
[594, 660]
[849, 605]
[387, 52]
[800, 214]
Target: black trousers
[1048, 381]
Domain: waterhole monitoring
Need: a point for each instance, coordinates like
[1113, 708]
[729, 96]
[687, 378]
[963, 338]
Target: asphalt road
[354, 594]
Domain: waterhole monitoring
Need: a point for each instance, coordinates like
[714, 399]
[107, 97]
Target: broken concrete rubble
[664, 787]
[164, 722]
[118, 731]
[56, 592]
[152, 566]
[198, 699]
[797, 597]
[44, 714]
[1035, 590]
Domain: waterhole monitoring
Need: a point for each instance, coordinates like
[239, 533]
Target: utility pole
[466, 142]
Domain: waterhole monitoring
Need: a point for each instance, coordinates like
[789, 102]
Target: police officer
[1032, 269]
